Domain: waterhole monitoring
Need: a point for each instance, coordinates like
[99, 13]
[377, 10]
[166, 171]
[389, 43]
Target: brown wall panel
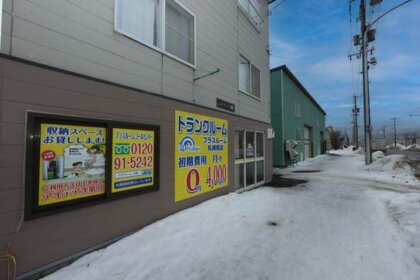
[40, 241]
[11, 178]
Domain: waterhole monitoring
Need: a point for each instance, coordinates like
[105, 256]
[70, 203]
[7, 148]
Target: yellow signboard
[132, 159]
[201, 154]
[71, 162]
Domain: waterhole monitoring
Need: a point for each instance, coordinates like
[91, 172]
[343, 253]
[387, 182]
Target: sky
[313, 38]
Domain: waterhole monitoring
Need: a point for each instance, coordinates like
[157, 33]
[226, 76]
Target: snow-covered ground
[347, 222]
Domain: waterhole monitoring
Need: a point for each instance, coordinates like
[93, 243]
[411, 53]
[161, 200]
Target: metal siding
[253, 45]
[309, 114]
[276, 119]
[78, 36]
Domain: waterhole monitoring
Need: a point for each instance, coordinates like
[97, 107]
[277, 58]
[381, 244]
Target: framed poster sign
[133, 159]
[201, 154]
[72, 162]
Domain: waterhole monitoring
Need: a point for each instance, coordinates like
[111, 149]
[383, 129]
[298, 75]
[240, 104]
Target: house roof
[298, 83]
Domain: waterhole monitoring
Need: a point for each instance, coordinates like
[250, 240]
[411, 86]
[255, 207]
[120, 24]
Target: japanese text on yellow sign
[72, 162]
[132, 159]
[201, 154]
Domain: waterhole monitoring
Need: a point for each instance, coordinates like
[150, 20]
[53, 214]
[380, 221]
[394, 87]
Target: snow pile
[401, 146]
[378, 155]
[312, 232]
[360, 151]
[389, 163]
[404, 209]
[391, 168]
[348, 164]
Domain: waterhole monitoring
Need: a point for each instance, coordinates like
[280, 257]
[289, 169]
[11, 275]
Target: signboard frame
[201, 154]
[156, 156]
[32, 163]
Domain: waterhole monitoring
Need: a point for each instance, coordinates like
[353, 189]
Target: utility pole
[368, 35]
[355, 113]
[395, 131]
[366, 98]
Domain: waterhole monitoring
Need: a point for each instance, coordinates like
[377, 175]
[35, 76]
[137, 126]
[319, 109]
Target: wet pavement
[279, 181]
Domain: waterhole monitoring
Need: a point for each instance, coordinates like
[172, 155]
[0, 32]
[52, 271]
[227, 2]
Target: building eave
[289, 73]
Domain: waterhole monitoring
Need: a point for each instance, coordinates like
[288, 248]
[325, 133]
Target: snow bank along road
[328, 228]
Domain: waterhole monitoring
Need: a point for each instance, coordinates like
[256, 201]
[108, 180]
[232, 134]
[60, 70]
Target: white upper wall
[79, 36]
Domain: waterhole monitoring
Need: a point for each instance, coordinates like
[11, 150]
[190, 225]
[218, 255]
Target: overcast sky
[313, 39]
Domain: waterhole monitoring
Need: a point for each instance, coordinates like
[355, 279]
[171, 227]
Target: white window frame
[250, 77]
[257, 7]
[298, 109]
[161, 39]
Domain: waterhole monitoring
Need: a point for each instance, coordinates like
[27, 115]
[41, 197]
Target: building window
[251, 8]
[162, 24]
[179, 38]
[297, 108]
[249, 77]
[298, 137]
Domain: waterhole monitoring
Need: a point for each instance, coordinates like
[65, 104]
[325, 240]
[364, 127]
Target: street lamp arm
[384, 14]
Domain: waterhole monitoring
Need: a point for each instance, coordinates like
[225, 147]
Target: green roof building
[295, 115]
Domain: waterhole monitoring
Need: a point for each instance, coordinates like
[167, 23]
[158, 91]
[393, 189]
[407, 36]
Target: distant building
[329, 135]
[295, 115]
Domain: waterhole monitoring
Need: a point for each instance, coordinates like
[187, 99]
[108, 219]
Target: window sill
[250, 95]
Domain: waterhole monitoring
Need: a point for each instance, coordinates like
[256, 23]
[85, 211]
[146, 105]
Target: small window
[179, 38]
[251, 9]
[139, 19]
[249, 77]
[161, 24]
[297, 134]
[297, 108]
[244, 74]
